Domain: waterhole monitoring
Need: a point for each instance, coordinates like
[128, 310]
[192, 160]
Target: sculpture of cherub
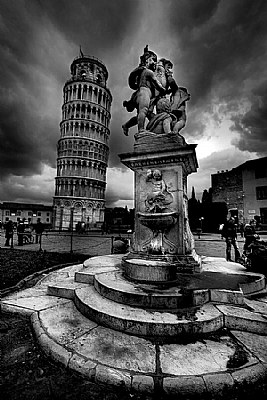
[159, 197]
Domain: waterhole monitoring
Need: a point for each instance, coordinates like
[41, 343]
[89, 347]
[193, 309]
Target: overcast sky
[218, 49]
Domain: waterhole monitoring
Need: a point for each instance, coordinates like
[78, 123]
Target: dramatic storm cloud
[219, 53]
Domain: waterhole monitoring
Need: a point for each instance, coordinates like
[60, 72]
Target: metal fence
[65, 242]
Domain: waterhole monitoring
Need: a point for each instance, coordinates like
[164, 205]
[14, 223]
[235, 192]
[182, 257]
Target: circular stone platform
[229, 363]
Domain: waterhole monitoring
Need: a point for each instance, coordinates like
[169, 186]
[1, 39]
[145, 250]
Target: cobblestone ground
[213, 246]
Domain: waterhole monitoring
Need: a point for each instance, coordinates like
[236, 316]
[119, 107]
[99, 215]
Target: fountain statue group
[156, 97]
[161, 162]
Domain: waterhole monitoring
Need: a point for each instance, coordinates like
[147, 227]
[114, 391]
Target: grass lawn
[16, 265]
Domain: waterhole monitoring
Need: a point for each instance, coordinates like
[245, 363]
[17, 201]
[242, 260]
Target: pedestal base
[161, 165]
[159, 268]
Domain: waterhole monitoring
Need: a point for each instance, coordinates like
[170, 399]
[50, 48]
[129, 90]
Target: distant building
[30, 213]
[118, 220]
[243, 189]
[82, 152]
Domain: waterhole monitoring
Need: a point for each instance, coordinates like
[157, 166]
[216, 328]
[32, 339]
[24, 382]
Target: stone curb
[249, 321]
[219, 385]
[202, 385]
[251, 374]
[185, 386]
[254, 287]
[91, 370]
[227, 382]
[12, 309]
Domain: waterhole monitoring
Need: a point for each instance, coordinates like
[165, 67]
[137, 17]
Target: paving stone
[54, 350]
[117, 350]
[219, 385]
[256, 286]
[226, 296]
[98, 265]
[83, 366]
[36, 324]
[201, 296]
[143, 383]
[64, 323]
[215, 264]
[34, 291]
[251, 375]
[64, 288]
[110, 260]
[257, 306]
[71, 269]
[34, 303]
[242, 319]
[263, 299]
[87, 275]
[112, 376]
[54, 276]
[60, 274]
[256, 344]
[185, 387]
[195, 358]
[7, 308]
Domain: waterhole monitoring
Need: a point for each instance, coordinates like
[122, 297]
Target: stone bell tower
[82, 150]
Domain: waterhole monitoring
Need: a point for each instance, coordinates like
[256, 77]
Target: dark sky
[218, 49]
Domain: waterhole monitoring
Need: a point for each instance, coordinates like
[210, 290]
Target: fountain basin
[158, 221]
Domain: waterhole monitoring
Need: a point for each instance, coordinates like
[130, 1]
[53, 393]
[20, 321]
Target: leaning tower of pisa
[82, 150]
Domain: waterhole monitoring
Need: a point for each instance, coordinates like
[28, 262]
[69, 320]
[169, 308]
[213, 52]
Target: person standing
[20, 232]
[250, 234]
[9, 232]
[229, 232]
[241, 229]
[38, 231]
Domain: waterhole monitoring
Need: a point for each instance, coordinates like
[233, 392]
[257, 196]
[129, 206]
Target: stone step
[114, 286]
[98, 265]
[147, 323]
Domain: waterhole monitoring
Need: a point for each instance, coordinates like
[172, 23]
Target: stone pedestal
[163, 243]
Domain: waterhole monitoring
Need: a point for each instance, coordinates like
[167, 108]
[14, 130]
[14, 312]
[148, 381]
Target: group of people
[23, 236]
[229, 232]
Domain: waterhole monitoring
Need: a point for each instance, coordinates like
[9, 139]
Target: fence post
[40, 242]
[71, 241]
[112, 241]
